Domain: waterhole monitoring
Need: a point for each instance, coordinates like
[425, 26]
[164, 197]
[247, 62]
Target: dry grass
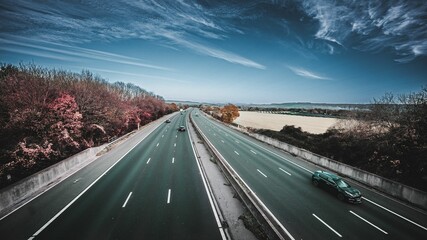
[277, 121]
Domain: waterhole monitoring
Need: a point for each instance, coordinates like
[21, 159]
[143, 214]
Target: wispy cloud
[220, 54]
[145, 76]
[398, 25]
[307, 74]
[66, 50]
[152, 20]
[370, 25]
[36, 53]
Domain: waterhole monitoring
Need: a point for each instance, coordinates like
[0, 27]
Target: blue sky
[228, 51]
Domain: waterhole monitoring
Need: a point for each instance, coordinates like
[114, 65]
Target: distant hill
[308, 105]
[294, 105]
[191, 103]
[183, 102]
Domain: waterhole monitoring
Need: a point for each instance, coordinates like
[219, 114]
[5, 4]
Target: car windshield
[341, 183]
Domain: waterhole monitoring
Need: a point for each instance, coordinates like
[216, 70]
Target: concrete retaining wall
[32, 185]
[395, 189]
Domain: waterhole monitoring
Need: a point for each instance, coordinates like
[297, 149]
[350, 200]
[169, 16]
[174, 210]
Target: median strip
[333, 230]
[212, 200]
[127, 199]
[373, 225]
[275, 225]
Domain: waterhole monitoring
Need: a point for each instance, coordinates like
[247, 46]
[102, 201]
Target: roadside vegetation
[390, 139]
[226, 114]
[48, 115]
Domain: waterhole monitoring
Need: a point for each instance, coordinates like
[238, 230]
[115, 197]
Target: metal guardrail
[272, 227]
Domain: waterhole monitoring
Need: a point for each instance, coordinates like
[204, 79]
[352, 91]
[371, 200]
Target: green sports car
[337, 186]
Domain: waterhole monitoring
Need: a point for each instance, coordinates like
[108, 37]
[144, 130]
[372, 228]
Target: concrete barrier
[390, 187]
[37, 183]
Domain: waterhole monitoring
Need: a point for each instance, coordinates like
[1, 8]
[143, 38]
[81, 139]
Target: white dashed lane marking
[324, 223]
[285, 171]
[127, 199]
[261, 173]
[373, 225]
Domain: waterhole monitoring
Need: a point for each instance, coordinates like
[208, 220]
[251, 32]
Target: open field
[277, 121]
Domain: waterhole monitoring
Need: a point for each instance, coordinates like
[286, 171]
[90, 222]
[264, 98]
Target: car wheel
[316, 183]
[341, 196]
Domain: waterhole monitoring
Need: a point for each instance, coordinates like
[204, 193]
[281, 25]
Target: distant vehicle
[168, 121]
[181, 129]
[336, 185]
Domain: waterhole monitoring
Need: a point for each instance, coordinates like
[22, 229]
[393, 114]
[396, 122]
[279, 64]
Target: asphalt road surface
[150, 187]
[283, 183]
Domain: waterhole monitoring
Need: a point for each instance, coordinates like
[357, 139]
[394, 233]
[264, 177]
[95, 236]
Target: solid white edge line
[148, 161]
[390, 211]
[218, 221]
[333, 230]
[261, 173]
[285, 172]
[237, 153]
[87, 188]
[373, 225]
[169, 196]
[254, 194]
[127, 199]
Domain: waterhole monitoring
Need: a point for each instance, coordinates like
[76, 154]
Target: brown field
[277, 121]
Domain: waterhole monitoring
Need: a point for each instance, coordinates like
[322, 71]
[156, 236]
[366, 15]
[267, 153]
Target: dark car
[181, 129]
[168, 121]
[337, 186]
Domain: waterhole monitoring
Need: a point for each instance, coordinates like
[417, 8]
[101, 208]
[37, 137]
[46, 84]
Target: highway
[151, 188]
[283, 183]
